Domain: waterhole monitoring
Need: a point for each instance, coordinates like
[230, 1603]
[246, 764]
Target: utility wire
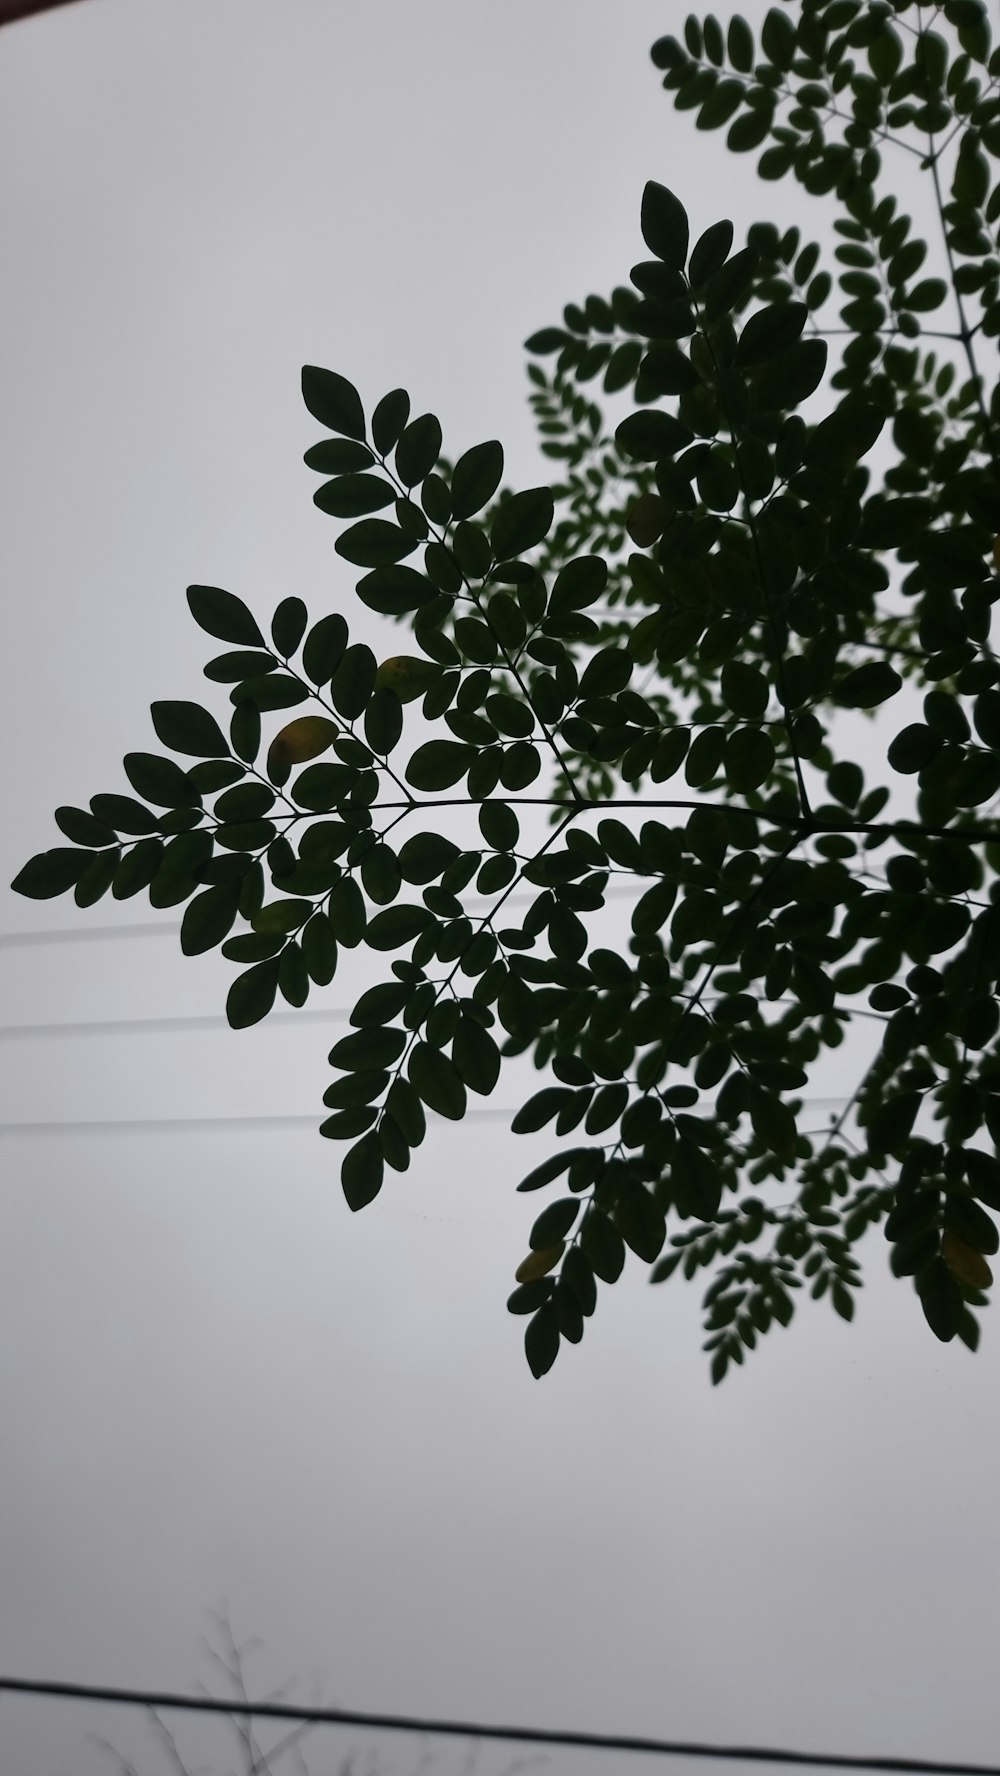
[404, 1723]
[206, 1124]
[146, 1026]
[99, 933]
[200, 1124]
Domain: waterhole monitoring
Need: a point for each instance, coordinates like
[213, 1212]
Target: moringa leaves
[659, 858]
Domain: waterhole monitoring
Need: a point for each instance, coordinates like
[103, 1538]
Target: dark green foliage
[673, 652]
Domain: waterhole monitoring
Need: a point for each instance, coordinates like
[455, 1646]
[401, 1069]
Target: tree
[657, 673]
[284, 1753]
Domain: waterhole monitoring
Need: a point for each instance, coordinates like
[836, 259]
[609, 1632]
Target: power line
[402, 1723]
[96, 933]
[146, 1026]
[206, 1124]
[146, 928]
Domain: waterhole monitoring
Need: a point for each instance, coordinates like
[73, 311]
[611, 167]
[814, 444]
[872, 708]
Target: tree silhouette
[655, 675]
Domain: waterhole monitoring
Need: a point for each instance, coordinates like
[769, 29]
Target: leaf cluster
[644, 681]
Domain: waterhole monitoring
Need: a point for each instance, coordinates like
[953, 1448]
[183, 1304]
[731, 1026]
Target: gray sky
[214, 1381]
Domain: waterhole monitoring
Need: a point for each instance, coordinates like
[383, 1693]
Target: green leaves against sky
[654, 679]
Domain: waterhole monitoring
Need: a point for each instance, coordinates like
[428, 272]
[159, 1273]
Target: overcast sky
[217, 1383]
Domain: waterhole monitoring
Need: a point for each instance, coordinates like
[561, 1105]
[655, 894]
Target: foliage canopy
[642, 678]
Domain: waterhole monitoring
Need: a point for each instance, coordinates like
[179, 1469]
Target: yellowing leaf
[966, 1264]
[301, 740]
[538, 1264]
[407, 676]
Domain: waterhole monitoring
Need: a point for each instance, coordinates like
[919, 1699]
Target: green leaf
[541, 1341]
[288, 625]
[777, 39]
[383, 721]
[913, 748]
[554, 1223]
[664, 224]
[499, 825]
[369, 1049]
[425, 856]
[418, 449]
[439, 764]
[352, 496]
[380, 1004]
[293, 976]
[251, 995]
[547, 339]
[362, 1171]
[397, 926]
[925, 296]
[51, 872]
[354, 681]
[602, 1245]
[867, 685]
[394, 590]
[224, 615]
[347, 1123]
[745, 690]
[710, 253]
[739, 43]
[375, 543]
[137, 868]
[941, 1300]
[705, 755]
[96, 878]
[281, 916]
[244, 732]
[651, 436]
[749, 758]
[209, 917]
[230, 668]
[324, 786]
[319, 949]
[581, 582]
[388, 420]
[160, 780]
[476, 1056]
[845, 436]
[186, 727]
[540, 1108]
[639, 1219]
[324, 648]
[81, 828]
[348, 915]
[333, 400]
[437, 1081]
[338, 456]
[278, 691]
[476, 477]
[520, 765]
[521, 522]
[770, 331]
[124, 814]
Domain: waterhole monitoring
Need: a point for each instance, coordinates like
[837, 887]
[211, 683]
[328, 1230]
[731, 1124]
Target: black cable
[125, 1124]
[403, 1723]
[145, 1026]
[15, 939]
[97, 933]
[203, 1124]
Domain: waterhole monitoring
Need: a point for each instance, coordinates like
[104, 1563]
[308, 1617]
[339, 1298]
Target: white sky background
[214, 1381]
